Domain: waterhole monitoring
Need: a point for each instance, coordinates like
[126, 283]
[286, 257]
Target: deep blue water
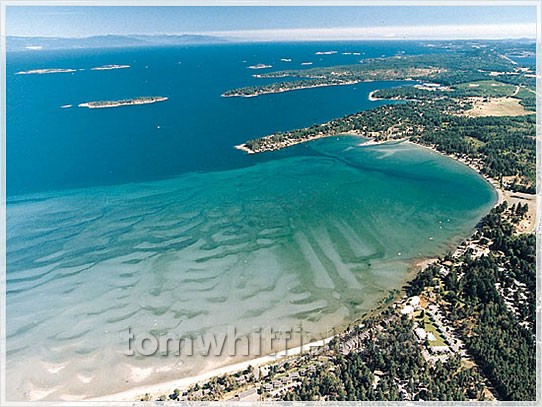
[49, 148]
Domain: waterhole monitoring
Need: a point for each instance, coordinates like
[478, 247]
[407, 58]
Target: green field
[427, 324]
[487, 88]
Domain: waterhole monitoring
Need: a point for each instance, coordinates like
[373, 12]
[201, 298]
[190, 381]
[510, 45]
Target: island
[44, 71]
[143, 100]
[259, 66]
[109, 67]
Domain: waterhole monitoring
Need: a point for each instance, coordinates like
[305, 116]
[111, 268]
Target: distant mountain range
[106, 41]
[16, 43]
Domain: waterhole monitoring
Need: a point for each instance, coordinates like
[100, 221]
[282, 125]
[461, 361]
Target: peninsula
[463, 110]
[444, 69]
[281, 87]
[143, 100]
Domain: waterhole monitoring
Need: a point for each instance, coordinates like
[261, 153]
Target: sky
[277, 23]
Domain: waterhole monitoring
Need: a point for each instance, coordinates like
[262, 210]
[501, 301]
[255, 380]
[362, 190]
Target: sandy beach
[372, 142]
[167, 387]
[372, 98]
[243, 147]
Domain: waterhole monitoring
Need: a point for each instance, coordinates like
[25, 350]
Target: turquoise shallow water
[315, 240]
[115, 223]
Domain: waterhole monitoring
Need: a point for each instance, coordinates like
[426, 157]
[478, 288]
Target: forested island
[124, 102]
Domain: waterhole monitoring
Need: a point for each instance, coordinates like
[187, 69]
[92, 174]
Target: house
[420, 333]
[415, 301]
[407, 309]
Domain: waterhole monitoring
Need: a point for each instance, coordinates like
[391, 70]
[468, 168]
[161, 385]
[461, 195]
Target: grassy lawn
[489, 88]
[476, 144]
[429, 327]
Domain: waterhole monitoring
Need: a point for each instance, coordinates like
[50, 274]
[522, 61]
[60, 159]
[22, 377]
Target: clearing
[503, 106]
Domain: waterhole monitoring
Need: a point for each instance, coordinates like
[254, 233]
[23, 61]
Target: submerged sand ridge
[272, 245]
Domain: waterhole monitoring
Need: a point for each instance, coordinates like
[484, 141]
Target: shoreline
[119, 103]
[372, 98]
[243, 147]
[168, 386]
[282, 90]
[503, 195]
[417, 265]
[134, 394]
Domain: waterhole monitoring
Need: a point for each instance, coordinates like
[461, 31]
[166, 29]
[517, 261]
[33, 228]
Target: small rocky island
[44, 71]
[109, 67]
[143, 100]
[259, 66]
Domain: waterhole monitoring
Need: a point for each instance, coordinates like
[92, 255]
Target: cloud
[446, 32]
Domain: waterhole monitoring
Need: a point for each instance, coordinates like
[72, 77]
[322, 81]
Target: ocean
[146, 217]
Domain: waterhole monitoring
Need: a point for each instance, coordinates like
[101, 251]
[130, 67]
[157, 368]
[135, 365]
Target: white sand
[168, 387]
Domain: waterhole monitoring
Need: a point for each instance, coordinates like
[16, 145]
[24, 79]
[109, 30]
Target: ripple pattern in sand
[308, 240]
